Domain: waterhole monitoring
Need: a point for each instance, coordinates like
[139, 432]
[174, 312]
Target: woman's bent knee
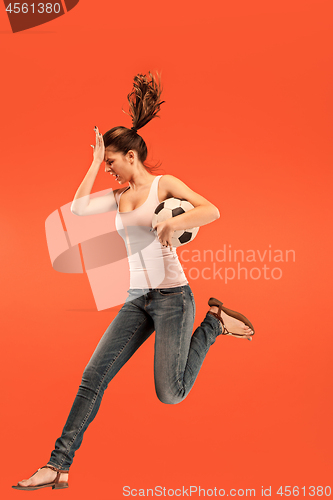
[91, 380]
[169, 398]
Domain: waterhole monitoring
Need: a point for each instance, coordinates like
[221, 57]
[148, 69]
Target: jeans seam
[97, 393]
[181, 385]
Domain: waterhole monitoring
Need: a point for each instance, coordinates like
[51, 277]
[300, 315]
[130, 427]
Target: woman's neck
[140, 178]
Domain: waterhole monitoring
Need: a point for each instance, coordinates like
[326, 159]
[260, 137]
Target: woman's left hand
[164, 232]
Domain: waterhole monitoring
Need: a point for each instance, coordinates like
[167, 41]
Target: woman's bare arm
[203, 213]
[82, 204]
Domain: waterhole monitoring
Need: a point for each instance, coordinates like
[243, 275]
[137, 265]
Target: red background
[247, 124]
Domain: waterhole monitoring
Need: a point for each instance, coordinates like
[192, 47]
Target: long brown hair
[144, 104]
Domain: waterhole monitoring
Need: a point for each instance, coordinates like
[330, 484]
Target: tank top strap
[117, 196]
[119, 193]
[154, 189]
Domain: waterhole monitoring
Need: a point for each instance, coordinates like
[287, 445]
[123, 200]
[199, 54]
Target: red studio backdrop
[247, 123]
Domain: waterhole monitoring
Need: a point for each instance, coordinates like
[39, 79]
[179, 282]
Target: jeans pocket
[177, 290]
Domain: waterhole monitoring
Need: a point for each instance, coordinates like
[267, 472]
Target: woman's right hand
[99, 149]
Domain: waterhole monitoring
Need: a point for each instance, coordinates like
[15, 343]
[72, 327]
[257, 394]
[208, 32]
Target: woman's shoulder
[170, 181]
[118, 192]
[171, 186]
[167, 178]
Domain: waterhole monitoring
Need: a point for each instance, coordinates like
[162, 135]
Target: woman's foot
[43, 476]
[233, 325]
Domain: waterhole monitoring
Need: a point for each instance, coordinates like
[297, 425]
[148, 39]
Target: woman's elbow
[216, 212]
[75, 210]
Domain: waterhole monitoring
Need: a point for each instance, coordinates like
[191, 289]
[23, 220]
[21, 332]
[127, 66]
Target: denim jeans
[178, 356]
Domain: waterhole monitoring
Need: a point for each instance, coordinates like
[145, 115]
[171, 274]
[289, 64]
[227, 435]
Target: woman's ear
[131, 155]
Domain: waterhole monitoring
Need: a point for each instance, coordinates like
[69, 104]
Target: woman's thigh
[127, 332]
[174, 312]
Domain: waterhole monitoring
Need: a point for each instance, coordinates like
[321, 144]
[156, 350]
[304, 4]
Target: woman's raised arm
[82, 204]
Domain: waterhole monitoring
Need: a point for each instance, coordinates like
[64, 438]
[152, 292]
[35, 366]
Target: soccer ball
[171, 208]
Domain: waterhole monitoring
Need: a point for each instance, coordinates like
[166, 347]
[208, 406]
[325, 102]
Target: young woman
[159, 299]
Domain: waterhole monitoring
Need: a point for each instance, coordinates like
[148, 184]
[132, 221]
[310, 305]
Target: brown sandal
[234, 314]
[55, 485]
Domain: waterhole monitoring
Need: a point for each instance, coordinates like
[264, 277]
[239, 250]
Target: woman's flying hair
[144, 104]
[145, 99]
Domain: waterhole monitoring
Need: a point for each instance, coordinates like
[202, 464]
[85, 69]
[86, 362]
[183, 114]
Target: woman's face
[118, 165]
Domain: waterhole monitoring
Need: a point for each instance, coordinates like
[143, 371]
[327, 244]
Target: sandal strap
[58, 471]
[219, 317]
[225, 331]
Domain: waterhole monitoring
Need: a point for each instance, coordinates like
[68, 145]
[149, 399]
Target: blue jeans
[178, 356]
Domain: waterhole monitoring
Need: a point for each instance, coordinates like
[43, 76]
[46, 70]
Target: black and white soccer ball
[171, 208]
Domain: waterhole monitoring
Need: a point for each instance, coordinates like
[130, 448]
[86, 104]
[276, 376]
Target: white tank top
[151, 264]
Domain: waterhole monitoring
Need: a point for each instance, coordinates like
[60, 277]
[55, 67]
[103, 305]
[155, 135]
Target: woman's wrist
[96, 163]
[171, 223]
